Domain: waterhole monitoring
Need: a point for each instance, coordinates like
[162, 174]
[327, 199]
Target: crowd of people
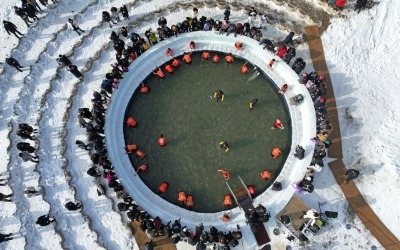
[93, 119]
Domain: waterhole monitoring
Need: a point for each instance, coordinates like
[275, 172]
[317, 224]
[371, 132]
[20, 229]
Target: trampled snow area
[360, 52]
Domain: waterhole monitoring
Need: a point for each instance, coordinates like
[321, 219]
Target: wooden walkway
[162, 242]
[353, 195]
[295, 210]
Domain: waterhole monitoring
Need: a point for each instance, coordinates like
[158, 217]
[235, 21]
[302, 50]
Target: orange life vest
[163, 187]
[169, 69]
[144, 89]
[251, 189]
[225, 217]
[140, 153]
[244, 69]
[229, 59]
[225, 174]
[160, 73]
[131, 121]
[227, 200]
[238, 45]
[275, 152]
[131, 147]
[181, 197]
[162, 141]
[278, 124]
[176, 63]
[142, 168]
[189, 201]
[187, 58]
[205, 55]
[215, 59]
[265, 175]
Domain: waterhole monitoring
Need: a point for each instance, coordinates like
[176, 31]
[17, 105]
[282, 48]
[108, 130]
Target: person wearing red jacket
[340, 4]
[282, 51]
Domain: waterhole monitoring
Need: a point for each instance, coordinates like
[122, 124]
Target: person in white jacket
[313, 215]
[73, 26]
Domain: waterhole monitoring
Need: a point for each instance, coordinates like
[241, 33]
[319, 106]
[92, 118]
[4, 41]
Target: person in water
[244, 69]
[144, 89]
[224, 146]
[158, 72]
[187, 58]
[131, 122]
[205, 55]
[176, 63]
[162, 141]
[215, 58]
[226, 175]
[276, 152]
[252, 103]
[219, 95]
[229, 58]
[278, 124]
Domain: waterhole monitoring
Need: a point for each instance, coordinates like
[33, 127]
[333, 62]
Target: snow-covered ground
[360, 52]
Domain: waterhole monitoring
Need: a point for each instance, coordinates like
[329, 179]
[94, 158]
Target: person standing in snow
[290, 54]
[72, 25]
[28, 157]
[25, 147]
[106, 17]
[5, 197]
[63, 60]
[45, 220]
[252, 15]
[351, 175]
[71, 206]
[31, 191]
[21, 13]
[298, 65]
[10, 27]
[74, 70]
[115, 15]
[14, 63]
[360, 5]
[289, 39]
[82, 145]
[124, 12]
[30, 11]
[35, 5]
[227, 13]
[5, 237]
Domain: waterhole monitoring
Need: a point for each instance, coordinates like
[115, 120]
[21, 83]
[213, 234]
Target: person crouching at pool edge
[224, 145]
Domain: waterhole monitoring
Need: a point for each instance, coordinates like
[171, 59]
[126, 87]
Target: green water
[181, 108]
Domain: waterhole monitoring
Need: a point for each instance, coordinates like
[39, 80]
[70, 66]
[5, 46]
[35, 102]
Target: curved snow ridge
[44, 69]
[302, 118]
[28, 209]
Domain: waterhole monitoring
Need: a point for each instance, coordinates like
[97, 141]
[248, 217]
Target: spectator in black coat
[21, 13]
[74, 70]
[14, 63]
[10, 27]
[45, 220]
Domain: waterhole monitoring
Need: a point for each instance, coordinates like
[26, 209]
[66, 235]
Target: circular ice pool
[182, 108]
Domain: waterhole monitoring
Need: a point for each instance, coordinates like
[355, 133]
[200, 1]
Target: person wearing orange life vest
[131, 122]
[239, 45]
[140, 154]
[229, 58]
[228, 200]
[215, 58]
[144, 89]
[169, 69]
[276, 152]
[244, 69]
[169, 52]
[162, 141]
[192, 45]
[265, 174]
[271, 63]
[251, 190]
[225, 217]
[163, 188]
[205, 55]
[226, 175]
[189, 201]
[141, 168]
[176, 63]
[158, 72]
[283, 89]
[278, 124]
[187, 58]
[181, 197]
[130, 148]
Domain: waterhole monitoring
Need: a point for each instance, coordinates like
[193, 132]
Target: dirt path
[353, 195]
